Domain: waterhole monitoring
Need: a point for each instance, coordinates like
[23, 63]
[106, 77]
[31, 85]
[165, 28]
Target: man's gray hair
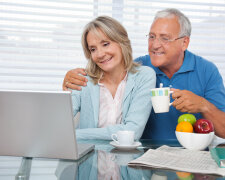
[185, 24]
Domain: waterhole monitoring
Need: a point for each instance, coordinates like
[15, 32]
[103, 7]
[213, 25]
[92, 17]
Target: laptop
[39, 124]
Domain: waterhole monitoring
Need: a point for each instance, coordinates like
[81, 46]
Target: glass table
[104, 162]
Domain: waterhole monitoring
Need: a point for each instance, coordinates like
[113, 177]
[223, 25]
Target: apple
[204, 177]
[187, 117]
[203, 126]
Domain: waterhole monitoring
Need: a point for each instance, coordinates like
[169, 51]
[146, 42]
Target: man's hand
[187, 101]
[74, 80]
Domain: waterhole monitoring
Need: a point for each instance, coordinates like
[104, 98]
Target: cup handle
[170, 92]
[114, 138]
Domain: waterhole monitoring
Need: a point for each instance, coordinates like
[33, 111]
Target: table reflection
[108, 163]
[103, 165]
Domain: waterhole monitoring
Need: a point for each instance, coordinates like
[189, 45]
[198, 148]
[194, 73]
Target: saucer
[125, 147]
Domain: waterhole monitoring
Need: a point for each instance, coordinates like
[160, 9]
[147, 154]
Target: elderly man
[197, 84]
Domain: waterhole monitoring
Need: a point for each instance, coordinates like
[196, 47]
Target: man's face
[169, 54]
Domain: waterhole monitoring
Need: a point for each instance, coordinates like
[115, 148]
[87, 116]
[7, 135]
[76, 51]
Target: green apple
[187, 117]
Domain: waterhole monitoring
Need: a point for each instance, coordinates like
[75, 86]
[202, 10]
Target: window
[40, 39]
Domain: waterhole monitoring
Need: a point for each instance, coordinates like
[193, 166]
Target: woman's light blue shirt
[136, 106]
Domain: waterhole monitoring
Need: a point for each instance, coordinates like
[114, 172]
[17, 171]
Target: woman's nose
[100, 53]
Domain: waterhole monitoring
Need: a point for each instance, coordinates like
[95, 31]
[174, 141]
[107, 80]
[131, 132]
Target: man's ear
[185, 44]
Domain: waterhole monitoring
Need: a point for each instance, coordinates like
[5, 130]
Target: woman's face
[105, 53]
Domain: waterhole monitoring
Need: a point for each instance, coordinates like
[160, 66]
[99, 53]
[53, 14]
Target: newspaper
[176, 158]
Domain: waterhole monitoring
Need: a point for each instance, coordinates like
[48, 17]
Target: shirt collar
[189, 62]
[101, 84]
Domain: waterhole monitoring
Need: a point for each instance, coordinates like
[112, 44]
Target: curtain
[40, 40]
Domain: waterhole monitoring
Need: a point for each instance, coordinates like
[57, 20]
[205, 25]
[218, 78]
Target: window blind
[40, 39]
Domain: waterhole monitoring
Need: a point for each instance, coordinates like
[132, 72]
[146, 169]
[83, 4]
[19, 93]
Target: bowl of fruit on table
[194, 134]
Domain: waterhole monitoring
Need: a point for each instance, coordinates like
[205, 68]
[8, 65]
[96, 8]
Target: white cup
[161, 99]
[158, 177]
[123, 138]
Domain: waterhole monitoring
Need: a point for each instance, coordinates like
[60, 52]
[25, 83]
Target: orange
[183, 174]
[184, 126]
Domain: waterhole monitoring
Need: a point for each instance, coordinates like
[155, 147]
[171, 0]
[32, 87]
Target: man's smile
[157, 53]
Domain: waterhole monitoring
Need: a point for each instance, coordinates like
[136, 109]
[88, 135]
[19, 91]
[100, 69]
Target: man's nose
[156, 43]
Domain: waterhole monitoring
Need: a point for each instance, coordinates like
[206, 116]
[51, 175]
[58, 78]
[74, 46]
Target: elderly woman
[117, 95]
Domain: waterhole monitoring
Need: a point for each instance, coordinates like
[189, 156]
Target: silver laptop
[38, 124]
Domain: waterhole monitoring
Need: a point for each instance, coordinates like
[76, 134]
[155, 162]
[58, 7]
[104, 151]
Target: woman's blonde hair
[115, 32]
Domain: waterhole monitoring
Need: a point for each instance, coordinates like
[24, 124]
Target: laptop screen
[37, 124]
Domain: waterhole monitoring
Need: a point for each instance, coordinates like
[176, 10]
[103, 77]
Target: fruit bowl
[194, 141]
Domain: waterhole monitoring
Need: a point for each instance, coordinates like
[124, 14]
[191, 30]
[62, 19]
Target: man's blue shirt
[197, 75]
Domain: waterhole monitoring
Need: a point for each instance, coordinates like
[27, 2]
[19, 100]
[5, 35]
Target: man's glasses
[163, 40]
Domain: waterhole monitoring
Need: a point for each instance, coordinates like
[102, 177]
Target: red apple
[204, 177]
[203, 126]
